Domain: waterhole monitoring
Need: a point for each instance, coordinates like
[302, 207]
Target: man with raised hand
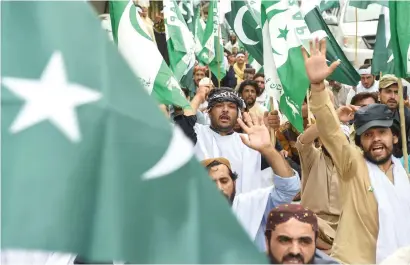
[374, 185]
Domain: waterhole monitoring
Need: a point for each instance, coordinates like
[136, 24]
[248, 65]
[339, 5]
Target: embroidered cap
[284, 212]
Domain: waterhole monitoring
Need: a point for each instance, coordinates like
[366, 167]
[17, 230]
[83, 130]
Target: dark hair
[259, 75]
[215, 163]
[364, 95]
[364, 66]
[248, 83]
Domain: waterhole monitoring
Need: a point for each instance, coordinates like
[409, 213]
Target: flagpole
[403, 126]
[218, 52]
[357, 29]
[271, 130]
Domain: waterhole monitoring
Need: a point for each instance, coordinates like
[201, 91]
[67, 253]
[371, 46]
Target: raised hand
[258, 134]
[346, 113]
[316, 67]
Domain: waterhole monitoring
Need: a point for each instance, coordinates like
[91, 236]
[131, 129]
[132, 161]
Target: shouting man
[220, 140]
[374, 185]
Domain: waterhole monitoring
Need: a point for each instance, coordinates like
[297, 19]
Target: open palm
[258, 134]
[317, 69]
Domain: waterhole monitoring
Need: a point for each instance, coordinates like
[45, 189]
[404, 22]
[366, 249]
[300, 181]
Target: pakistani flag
[285, 74]
[345, 72]
[180, 42]
[90, 166]
[142, 54]
[212, 52]
[255, 65]
[186, 8]
[246, 28]
[383, 55]
[363, 4]
[400, 36]
[329, 4]
[199, 30]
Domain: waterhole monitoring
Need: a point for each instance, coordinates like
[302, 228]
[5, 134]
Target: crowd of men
[340, 187]
[336, 193]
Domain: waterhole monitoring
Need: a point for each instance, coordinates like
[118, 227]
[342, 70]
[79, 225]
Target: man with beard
[248, 91]
[263, 97]
[291, 233]
[251, 208]
[220, 140]
[320, 184]
[374, 185]
[368, 83]
[389, 95]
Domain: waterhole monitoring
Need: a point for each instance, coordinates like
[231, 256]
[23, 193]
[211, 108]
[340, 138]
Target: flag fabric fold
[94, 168]
[400, 36]
[246, 28]
[212, 52]
[180, 41]
[285, 73]
[383, 61]
[345, 73]
[141, 53]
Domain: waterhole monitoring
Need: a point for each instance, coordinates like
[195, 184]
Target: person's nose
[294, 248]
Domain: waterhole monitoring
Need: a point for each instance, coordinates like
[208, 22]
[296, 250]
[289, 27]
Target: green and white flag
[180, 41]
[90, 166]
[186, 8]
[383, 61]
[142, 54]
[199, 30]
[255, 65]
[345, 73]
[284, 66]
[246, 28]
[400, 36]
[328, 4]
[363, 4]
[212, 52]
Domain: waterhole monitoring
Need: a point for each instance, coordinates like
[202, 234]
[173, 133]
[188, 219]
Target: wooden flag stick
[403, 127]
[272, 131]
[356, 39]
[308, 107]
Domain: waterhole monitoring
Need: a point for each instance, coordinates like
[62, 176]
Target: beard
[273, 260]
[232, 197]
[378, 161]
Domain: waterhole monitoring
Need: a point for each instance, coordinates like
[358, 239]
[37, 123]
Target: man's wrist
[268, 150]
[317, 87]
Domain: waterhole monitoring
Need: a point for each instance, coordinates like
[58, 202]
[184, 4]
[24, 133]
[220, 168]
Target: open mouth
[378, 150]
[224, 118]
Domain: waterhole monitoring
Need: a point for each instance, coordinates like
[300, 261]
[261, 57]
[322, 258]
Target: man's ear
[395, 139]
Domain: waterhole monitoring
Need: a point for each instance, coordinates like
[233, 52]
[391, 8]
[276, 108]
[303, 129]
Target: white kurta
[244, 161]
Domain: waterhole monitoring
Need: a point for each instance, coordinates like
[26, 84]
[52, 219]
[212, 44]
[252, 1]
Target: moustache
[299, 257]
[391, 101]
[223, 116]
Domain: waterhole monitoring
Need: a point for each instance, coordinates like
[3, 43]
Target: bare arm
[197, 101]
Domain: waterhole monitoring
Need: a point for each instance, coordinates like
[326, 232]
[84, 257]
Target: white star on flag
[50, 98]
